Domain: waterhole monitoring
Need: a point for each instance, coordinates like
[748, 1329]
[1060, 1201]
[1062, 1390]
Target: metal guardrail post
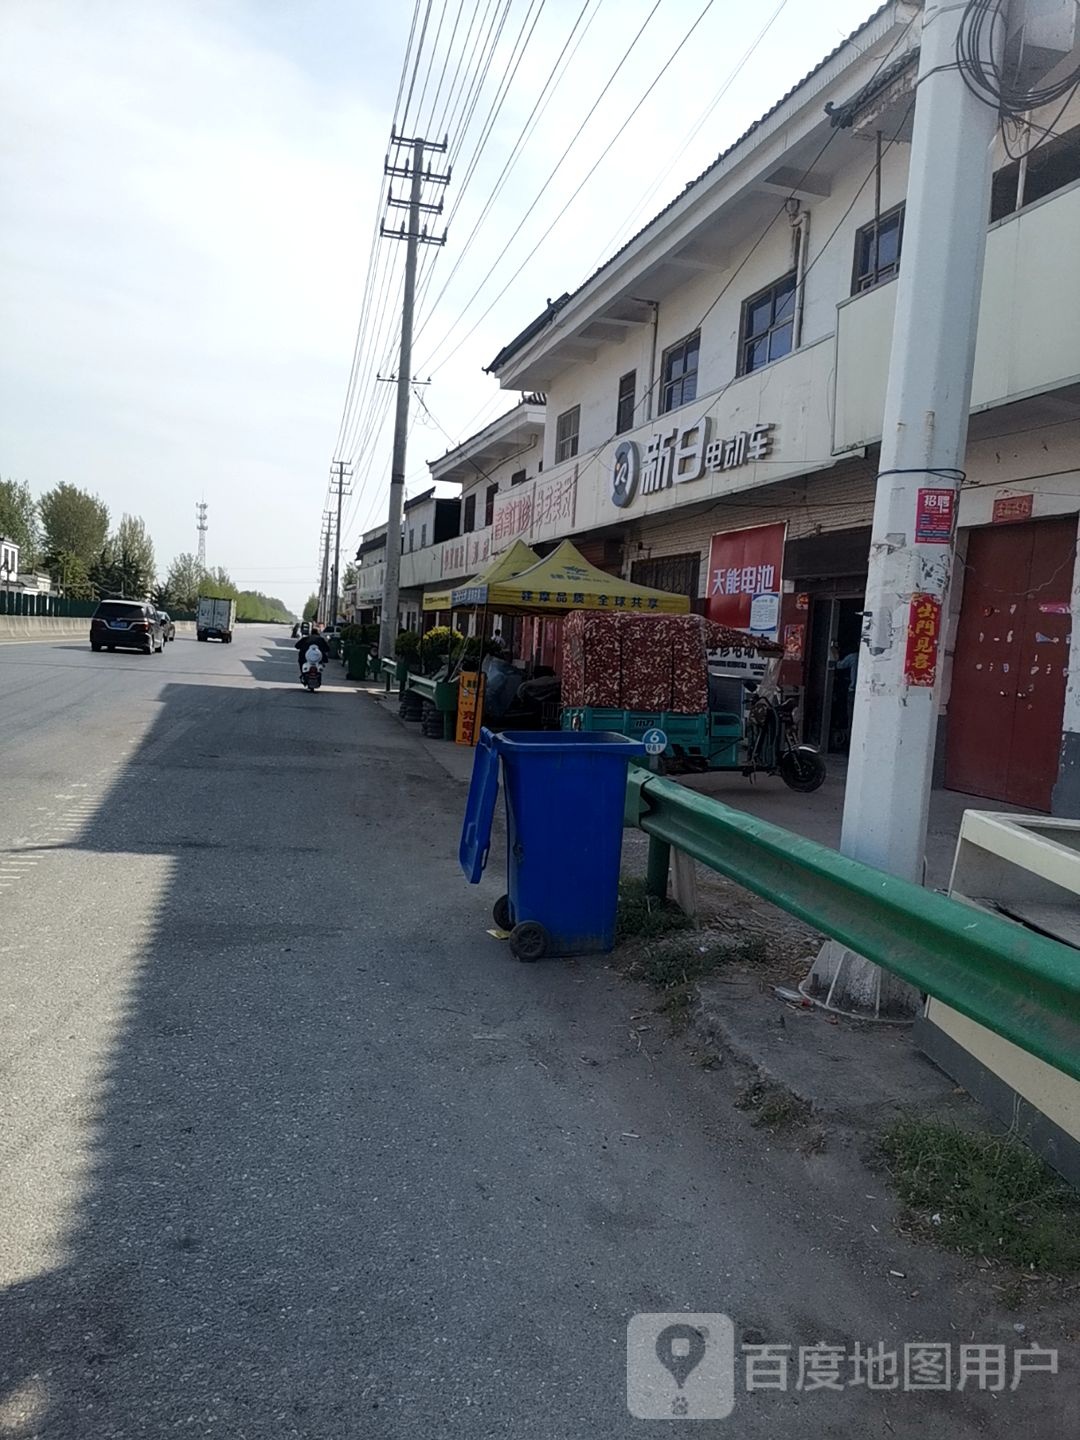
[1016, 982]
[656, 875]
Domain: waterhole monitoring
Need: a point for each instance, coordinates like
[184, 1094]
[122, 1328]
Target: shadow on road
[230, 1198]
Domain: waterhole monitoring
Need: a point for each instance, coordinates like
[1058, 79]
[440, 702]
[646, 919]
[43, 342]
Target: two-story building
[715, 395]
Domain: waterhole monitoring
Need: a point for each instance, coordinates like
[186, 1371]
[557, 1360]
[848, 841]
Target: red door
[1012, 651]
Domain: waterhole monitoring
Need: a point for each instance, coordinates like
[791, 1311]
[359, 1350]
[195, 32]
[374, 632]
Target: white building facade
[715, 395]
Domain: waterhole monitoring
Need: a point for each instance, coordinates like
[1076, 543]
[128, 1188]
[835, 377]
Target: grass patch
[644, 917]
[774, 1108]
[983, 1195]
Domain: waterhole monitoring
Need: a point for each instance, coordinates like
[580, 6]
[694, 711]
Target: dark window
[566, 434]
[518, 477]
[877, 250]
[423, 535]
[468, 514]
[768, 325]
[624, 410]
[489, 504]
[678, 374]
[678, 573]
[1051, 166]
[412, 536]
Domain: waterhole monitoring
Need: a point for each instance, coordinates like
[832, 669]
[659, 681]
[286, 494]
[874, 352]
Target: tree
[19, 520]
[72, 575]
[219, 584]
[75, 523]
[182, 584]
[254, 605]
[349, 579]
[125, 565]
[311, 608]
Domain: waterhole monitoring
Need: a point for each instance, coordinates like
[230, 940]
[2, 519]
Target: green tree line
[67, 532]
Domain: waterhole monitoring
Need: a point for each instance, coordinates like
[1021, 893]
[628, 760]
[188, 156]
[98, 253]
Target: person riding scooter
[304, 644]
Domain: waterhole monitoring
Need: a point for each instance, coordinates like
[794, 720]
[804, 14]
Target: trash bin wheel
[501, 913]
[529, 941]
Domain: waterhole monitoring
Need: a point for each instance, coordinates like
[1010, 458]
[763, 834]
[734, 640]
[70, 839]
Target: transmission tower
[202, 527]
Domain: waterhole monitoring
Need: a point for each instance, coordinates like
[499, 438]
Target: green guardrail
[394, 673]
[1022, 985]
[443, 694]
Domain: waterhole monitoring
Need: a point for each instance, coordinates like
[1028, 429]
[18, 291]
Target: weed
[645, 917]
[774, 1107]
[982, 1194]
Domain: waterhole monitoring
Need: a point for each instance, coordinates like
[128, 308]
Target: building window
[678, 374]
[566, 434]
[412, 537]
[468, 514]
[877, 250]
[518, 477]
[1051, 166]
[423, 535]
[768, 325]
[624, 409]
[489, 504]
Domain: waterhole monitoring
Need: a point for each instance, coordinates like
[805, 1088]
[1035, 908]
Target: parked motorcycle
[772, 745]
[312, 668]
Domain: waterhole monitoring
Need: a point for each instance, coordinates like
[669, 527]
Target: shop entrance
[835, 627]
[1012, 651]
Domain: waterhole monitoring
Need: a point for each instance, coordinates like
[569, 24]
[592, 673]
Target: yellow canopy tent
[503, 568]
[562, 582]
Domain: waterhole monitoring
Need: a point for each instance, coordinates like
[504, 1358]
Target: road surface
[290, 1147]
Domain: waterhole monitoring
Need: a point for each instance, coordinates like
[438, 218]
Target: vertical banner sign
[745, 571]
[469, 706]
[923, 636]
[934, 512]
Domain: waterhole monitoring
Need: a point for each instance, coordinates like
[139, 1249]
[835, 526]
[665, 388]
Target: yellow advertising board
[470, 707]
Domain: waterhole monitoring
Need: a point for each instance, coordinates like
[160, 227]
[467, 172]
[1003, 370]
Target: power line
[536, 199]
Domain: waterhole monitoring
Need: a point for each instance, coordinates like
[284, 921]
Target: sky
[188, 195]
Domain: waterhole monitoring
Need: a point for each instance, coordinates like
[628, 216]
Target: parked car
[126, 625]
[167, 625]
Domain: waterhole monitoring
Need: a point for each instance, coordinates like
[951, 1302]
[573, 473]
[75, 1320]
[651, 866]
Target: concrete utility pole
[924, 438]
[414, 236]
[320, 612]
[338, 481]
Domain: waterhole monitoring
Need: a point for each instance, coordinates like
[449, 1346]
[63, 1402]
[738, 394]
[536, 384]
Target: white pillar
[924, 437]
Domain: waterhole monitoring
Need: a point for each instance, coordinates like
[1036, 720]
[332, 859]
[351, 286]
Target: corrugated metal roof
[553, 307]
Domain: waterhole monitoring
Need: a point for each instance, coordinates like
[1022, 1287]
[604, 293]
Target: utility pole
[320, 612]
[414, 236]
[338, 482]
[924, 438]
[201, 527]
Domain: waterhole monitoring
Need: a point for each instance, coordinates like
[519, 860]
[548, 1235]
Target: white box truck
[214, 619]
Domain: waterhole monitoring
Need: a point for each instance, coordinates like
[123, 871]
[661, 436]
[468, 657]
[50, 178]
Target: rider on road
[304, 644]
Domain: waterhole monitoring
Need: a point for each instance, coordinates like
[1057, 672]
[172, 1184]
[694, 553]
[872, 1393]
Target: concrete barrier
[60, 627]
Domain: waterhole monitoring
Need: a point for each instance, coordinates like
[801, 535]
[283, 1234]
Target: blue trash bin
[565, 793]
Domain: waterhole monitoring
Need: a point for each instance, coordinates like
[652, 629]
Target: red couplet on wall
[745, 572]
[923, 637]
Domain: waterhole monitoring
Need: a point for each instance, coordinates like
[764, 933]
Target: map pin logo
[680, 1349]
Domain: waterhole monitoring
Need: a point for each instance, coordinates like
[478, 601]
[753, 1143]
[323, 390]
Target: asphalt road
[289, 1146]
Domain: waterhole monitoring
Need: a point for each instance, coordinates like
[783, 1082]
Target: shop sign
[794, 637]
[683, 453]
[923, 637]
[745, 573]
[934, 512]
[466, 554]
[539, 510]
[470, 706]
[1009, 508]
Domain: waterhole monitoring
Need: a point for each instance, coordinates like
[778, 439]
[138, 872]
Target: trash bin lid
[479, 809]
[568, 742]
